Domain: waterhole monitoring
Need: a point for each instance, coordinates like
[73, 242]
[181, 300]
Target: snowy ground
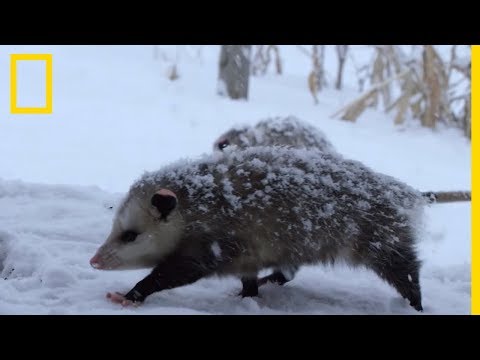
[116, 115]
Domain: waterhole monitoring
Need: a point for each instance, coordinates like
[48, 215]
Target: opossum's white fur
[156, 238]
[286, 206]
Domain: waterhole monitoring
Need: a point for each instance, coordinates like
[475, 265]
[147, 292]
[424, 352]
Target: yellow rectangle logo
[48, 108]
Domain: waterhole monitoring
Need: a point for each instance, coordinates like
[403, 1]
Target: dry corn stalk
[353, 110]
[426, 91]
[313, 85]
[316, 78]
[433, 87]
[386, 58]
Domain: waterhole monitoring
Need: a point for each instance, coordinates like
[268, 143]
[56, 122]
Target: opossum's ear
[165, 201]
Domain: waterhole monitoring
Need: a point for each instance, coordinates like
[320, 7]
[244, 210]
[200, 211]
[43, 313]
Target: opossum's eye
[165, 201]
[223, 144]
[128, 236]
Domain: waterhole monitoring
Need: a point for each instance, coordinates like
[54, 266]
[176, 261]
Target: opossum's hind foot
[249, 287]
[409, 289]
[120, 299]
[417, 306]
[402, 272]
[276, 277]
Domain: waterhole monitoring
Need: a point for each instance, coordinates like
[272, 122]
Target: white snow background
[116, 114]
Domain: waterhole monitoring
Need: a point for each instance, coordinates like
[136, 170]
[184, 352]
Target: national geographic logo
[48, 108]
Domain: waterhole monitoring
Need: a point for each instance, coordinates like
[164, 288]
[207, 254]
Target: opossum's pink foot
[116, 297]
[120, 299]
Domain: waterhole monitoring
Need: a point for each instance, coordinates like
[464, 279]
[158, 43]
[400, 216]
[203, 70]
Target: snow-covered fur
[288, 130]
[243, 211]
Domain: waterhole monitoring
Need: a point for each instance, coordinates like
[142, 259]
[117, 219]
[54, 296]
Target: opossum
[259, 208]
[276, 131]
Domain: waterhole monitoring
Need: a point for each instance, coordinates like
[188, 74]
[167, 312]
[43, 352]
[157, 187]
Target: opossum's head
[143, 233]
[236, 137]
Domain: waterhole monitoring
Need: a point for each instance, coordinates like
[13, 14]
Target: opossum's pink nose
[96, 262]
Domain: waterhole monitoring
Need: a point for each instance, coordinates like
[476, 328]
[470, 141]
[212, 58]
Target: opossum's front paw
[121, 299]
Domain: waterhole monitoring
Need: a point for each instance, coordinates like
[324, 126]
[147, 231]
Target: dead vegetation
[424, 86]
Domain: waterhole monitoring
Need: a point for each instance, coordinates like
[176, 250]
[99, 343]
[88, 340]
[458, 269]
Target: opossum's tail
[446, 196]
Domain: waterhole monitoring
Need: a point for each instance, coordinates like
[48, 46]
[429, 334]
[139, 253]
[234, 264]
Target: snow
[216, 250]
[116, 115]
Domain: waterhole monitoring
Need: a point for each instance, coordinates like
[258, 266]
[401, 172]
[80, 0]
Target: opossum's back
[307, 192]
[280, 172]
[313, 173]
[290, 131]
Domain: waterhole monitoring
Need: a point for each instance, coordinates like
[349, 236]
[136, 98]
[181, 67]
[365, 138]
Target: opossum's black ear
[165, 201]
